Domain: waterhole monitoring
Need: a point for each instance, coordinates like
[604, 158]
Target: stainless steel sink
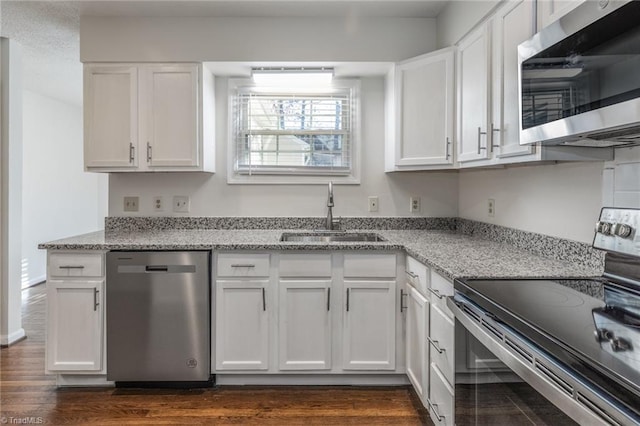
[329, 237]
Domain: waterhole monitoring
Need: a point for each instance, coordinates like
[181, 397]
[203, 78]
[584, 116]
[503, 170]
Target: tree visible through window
[293, 133]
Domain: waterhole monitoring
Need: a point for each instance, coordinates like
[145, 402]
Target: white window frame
[353, 177]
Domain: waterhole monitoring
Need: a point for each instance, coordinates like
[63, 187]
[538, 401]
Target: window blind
[293, 133]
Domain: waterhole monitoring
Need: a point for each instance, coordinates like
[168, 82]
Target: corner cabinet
[75, 340]
[423, 108]
[148, 117]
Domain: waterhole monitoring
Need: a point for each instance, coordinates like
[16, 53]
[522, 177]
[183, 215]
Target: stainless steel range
[581, 353]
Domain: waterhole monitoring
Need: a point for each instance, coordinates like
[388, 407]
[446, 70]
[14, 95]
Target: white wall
[140, 39]
[561, 200]
[59, 199]
[10, 202]
[211, 196]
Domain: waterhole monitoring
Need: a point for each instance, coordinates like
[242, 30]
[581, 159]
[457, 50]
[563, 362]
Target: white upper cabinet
[148, 117]
[473, 133]
[424, 111]
[552, 10]
[111, 116]
[512, 24]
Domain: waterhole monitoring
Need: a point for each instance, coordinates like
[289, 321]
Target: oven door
[502, 379]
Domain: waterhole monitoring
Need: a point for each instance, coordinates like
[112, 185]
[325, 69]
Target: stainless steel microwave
[580, 78]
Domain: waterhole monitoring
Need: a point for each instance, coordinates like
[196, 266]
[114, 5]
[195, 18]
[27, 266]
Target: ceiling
[48, 31]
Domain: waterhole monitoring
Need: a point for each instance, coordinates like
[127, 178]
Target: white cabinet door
[417, 354]
[304, 325]
[171, 113]
[111, 116]
[369, 329]
[242, 325]
[74, 325]
[473, 95]
[425, 110]
[512, 24]
[552, 10]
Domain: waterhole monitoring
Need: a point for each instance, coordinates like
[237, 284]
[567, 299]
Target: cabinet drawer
[305, 265]
[370, 265]
[76, 265]
[440, 401]
[417, 275]
[439, 289]
[243, 265]
[441, 342]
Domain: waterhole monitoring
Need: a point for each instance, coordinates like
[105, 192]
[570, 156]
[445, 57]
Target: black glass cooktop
[560, 320]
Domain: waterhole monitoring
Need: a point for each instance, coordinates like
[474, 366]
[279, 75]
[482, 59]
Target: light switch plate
[373, 203]
[181, 204]
[130, 204]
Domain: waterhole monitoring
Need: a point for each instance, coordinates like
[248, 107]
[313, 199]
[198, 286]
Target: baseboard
[313, 379]
[16, 336]
[66, 380]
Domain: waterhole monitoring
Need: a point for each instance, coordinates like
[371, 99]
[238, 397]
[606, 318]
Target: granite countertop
[452, 254]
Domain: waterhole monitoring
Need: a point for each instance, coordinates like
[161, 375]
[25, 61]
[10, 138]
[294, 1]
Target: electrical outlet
[181, 204]
[491, 207]
[158, 204]
[414, 205]
[131, 204]
[373, 203]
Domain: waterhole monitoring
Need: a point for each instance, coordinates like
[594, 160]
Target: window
[293, 135]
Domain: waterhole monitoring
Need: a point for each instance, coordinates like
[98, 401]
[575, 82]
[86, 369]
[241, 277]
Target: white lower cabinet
[417, 325]
[304, 325]
[242, 325]
[369, 332]
[441, 398]
[75, 332]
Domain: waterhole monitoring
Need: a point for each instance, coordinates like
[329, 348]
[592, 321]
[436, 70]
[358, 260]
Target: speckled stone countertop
[452, 254]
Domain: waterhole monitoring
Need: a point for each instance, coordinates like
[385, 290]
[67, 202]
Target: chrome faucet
[330, 222]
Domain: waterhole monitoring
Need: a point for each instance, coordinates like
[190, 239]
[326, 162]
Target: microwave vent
[628, 136]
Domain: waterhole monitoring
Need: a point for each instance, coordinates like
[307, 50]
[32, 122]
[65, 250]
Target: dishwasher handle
[156, 268]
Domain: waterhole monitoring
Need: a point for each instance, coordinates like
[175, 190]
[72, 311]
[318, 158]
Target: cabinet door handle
[132, 152]
[447, 151]
[71, 267]
[243, 265]
[435, 292]
[402, 296]
[480, 147]
[348, 300]
[493, 130]
[148, 152]
[96, 303]
[411, 274]
[264, 299]
[435, 344]
[328, 299]
[434, 408]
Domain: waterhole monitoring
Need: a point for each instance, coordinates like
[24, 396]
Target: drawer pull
[434, 408]
[71, 267]
[402, 296]
[95, 299]
[436, 345]
[243, 265]
[436, 293]
[412, 275]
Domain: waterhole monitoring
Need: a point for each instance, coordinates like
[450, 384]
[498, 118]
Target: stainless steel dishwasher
[158, 321]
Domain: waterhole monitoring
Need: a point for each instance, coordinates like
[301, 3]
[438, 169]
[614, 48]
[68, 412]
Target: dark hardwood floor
[28, 396]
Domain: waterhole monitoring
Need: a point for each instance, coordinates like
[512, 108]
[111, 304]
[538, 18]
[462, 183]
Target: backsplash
[542, 245]
[133, 224]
